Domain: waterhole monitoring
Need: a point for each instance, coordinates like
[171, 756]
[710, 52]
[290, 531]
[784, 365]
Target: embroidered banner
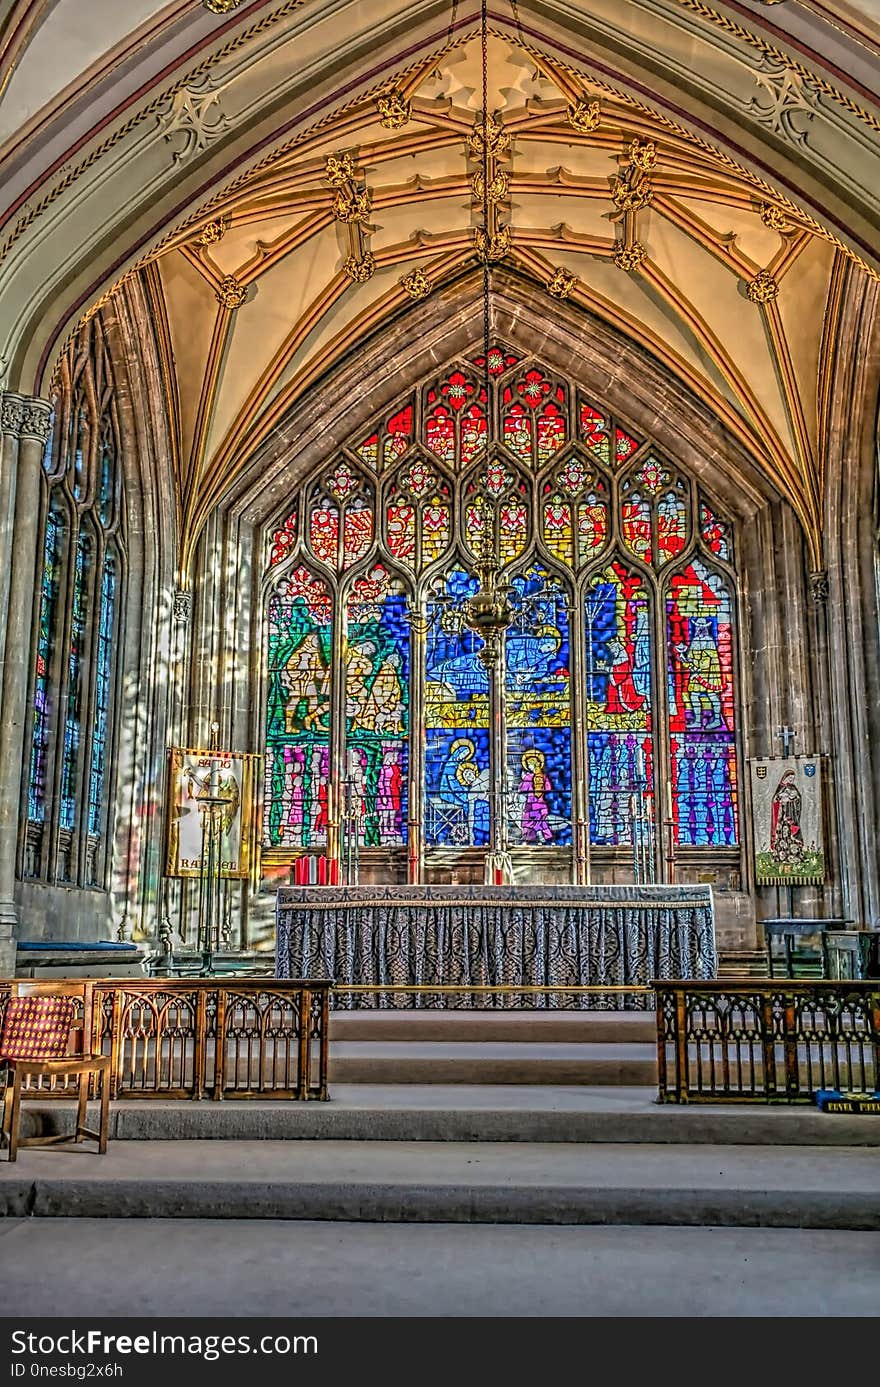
[787, 820]
[200, 782]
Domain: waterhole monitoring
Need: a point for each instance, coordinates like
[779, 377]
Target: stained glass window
[607, 548]
[42, 682]
[618, 699]
[377, 709]
[538, 712]
[76, 652]
[72, 731]
[456, 726]
[300, 621]
[715, 533]
[702, 747]
[103, 676]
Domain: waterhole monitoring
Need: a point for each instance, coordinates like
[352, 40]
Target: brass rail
[776, 1041]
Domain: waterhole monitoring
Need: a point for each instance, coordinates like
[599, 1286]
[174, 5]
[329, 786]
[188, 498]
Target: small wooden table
[790, 928]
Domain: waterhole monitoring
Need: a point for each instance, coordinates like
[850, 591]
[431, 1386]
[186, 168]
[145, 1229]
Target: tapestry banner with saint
[189, 772]
[787, 821]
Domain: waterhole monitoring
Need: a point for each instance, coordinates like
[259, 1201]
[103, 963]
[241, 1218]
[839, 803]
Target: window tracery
[625, 668]
[79, 593]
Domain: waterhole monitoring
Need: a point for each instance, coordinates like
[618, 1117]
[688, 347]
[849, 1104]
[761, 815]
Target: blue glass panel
[103, 675]
[619, 717]
[702, 747]
[45, 648]
[539, 713]
[72, 722]
[457, 726]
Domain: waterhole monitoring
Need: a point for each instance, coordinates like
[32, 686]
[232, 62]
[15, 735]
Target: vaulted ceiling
[699, 176]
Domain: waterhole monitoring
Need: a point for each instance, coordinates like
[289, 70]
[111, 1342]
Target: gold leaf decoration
[416, 284]
[394, 109]
[360, 270]
[231, 292]
[763, 288]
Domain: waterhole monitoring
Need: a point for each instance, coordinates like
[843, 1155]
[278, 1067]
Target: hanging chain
[484, 53]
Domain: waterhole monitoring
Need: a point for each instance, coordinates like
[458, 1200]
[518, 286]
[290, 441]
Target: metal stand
[211, 806]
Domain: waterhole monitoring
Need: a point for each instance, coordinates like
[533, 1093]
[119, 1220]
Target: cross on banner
[786, 736]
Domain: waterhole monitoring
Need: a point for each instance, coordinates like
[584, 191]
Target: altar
[468, 936]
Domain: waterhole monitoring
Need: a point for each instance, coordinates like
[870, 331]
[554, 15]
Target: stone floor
[243, 1268]
[453, 1181]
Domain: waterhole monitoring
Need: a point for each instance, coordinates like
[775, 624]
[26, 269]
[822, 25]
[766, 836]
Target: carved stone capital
[11, 414]
[36, 419]
[820, 587]
[181, 606]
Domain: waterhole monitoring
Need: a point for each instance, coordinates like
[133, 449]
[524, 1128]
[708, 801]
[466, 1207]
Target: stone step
[461, 1112]
[490, 1062]
[451, 1182]
[570, 1027]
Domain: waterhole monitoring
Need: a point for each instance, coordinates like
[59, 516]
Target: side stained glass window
[702, 747]
[75, 708]
[43, 684]
[103, 678]
[298, 721]
[76, 649]
[617, 663]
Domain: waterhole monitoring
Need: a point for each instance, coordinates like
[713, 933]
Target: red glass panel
[594, 432]
[499, 361]
[324, 533]
[592, 526]
[401, 521]
[636, 517]
[283, 541]
[440, 434]
[358, 534]
[473, 433]
[518, 433]
[551, 433]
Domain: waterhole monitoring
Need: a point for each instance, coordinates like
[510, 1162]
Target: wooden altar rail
[200, 1037]
[776, 1042]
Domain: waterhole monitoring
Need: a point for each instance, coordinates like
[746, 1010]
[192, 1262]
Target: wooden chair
[47, 1032]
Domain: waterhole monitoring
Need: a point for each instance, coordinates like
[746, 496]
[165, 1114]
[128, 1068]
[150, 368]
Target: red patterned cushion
[36, 1028]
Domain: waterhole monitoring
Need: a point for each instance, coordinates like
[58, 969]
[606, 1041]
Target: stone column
[25, 456]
